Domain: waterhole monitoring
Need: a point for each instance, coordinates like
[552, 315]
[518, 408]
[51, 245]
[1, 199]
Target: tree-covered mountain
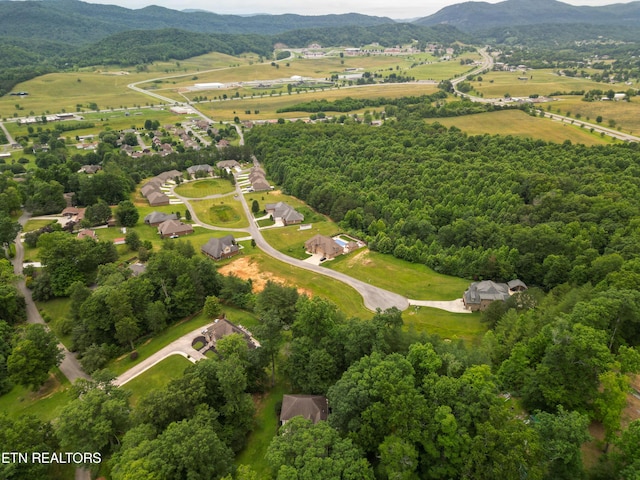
[474, 16]
[77, 22]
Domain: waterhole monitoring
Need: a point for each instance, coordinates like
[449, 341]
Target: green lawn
[46, 403]
[204, 188]
[412, 280]
[156, 377]
[290, 240]
[221, 212]
[32, 225]
[266, 426]
[346, 298]
[56, 311]
[465, 326]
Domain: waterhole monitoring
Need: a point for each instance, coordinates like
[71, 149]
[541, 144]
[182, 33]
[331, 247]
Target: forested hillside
[477, 207]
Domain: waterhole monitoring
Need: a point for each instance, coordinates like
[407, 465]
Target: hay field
[519, 124]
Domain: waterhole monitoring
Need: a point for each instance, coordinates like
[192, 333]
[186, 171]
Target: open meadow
[521, 124]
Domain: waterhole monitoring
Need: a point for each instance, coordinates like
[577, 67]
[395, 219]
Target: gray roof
[216, 247]
[486, 290]
[170, 227]
[159, 217]
[199, 168]
[157, 198]
[170, 175]
[311, 407]
[149, 187]
[284, 211]
[517, 283]
[223, 327]
[227, 164]
[260, 184]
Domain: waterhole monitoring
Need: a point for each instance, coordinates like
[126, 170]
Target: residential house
[73, 214]
[174, 228]
[223, 327]
[90, 169]
[156, 218]
[323, 245]
[157, 198]
[199, 170]
[219, 248]
[228, 164]
[283, 214]
[171, 175]
[311, 407]
[480, 295]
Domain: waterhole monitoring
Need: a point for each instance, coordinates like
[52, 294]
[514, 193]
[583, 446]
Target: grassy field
[32, 225]
[290, 240]
[266, 427]
[411, 280]
[520, 124]
[626, 115]
[541, 82]
[267, 105]
[57, 310]
[447, 325]
[221, 212]
[156, 377]
[46, 403]
[204, 188]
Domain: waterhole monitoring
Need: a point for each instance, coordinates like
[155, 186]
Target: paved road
[10, 140]
[70, 365]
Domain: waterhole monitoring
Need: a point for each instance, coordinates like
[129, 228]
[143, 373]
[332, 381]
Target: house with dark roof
[283, 214]
[171, 175]
[199, 170]
[323, 245]
[219, 248]
[480, 295]
[223, 327]
[156, 218]
[157, 198]
[311, 407]
[174, 228]
[228, 164]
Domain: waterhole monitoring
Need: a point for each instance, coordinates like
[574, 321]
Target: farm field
[520, 124]
[626, 115]
[267, 106]
[541, 82]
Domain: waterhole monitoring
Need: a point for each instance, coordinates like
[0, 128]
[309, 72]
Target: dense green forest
[471, 206]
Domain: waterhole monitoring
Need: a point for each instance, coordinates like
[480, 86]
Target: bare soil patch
[245, 268]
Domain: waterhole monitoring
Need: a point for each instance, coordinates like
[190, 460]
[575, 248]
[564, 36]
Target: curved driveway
[70, 365]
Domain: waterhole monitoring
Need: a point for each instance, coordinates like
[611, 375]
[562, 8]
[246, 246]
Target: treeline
[148, 46]
[349, 104]
[475, 207]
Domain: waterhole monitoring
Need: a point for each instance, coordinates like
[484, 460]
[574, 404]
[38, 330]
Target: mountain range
[77, 22]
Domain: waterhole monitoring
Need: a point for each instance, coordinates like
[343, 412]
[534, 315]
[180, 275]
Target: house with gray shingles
[199, 170]
[223, 327]
[323, 245]
[480, 295]
[171, 175]
[283, 213]
[156, 218]
[311, 407]
[219, 248]
[157, 198]
[228, 164]
[172, 228]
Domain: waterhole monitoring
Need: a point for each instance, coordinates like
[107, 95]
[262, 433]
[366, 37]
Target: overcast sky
[398, 9]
